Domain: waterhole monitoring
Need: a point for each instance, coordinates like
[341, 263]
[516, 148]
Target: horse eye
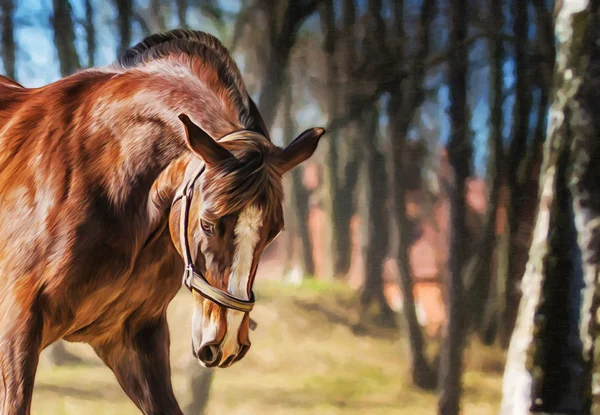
[208, 228]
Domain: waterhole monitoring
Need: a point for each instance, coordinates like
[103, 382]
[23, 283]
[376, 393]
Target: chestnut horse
[114, 182]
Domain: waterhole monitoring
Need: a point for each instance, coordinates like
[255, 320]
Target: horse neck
[138, 111]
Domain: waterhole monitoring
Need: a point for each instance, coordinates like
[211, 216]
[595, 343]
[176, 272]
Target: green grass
[305, 359]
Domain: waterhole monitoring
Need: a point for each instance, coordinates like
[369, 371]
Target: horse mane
[212, 52]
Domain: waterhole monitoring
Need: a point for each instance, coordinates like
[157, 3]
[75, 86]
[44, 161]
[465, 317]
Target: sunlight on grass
[305, 359]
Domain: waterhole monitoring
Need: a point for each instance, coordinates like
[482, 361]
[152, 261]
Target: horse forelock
[249, 179]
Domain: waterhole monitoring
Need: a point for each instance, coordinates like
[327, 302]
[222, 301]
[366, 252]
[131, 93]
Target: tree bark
[8, 38]
[401, 111]
[550, 359]
[459, 156]
[64, 37]
[584, 180]
[124, 17]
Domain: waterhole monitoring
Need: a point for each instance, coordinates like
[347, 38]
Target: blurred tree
[479, 270]
[331, 167]
[124, 18]
[90, 34]
[377, 222]
[343, 173]
[510, 271]
[157, 16]
[182, 9]
[406, 96]
[300, 203]
[540, 67]
[459, 156]
[64, 37]
[378, 199]
[282, 37]
[550, 365]
[8, 38]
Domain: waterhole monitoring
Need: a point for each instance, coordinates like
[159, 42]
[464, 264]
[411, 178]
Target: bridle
[193, 279]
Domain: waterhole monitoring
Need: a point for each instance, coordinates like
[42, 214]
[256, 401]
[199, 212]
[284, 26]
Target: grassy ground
[305, 359]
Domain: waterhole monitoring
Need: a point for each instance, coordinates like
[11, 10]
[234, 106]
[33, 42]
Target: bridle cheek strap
[193, 279]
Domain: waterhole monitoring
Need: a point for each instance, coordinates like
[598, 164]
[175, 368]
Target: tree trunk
[8, 38]
[182, 6]
[345, 209]
[585, 190]
[545, 35]
[549, 363]
[64, 37]
[377, 225]
[157, 16]
[274, 74]
[401, 110]
[331, 168]
[345, 190]
[516, 153]
[478, 278]
[124, 17]
[301, 196]
[90, 33]
[459, 156]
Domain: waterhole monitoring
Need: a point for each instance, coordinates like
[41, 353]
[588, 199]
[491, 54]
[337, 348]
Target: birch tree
[550, 360]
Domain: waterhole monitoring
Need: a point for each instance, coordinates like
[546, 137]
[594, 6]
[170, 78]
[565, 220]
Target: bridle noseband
[193, 279]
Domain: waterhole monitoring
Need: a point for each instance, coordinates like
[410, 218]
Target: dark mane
[212, 52]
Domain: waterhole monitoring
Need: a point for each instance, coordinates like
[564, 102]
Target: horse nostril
[209, 354]
[243, 350]
[228, 361]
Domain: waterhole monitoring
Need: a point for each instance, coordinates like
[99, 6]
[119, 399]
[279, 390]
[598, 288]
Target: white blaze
[246, 237]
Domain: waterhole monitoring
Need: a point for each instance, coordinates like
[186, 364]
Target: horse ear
[203, 144]
[260, 123]
[300, 149]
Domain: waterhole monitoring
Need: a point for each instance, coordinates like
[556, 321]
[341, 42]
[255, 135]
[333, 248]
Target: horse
[114, 183]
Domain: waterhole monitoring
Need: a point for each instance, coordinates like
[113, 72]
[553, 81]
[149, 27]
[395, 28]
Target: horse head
[230, 211]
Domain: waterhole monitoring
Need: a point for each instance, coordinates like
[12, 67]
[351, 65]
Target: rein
[193, 279]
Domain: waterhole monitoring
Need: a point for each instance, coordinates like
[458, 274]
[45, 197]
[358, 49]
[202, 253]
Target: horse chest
[144, 294]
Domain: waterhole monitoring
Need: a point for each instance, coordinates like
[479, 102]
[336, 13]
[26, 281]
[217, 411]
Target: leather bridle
[193, 279]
